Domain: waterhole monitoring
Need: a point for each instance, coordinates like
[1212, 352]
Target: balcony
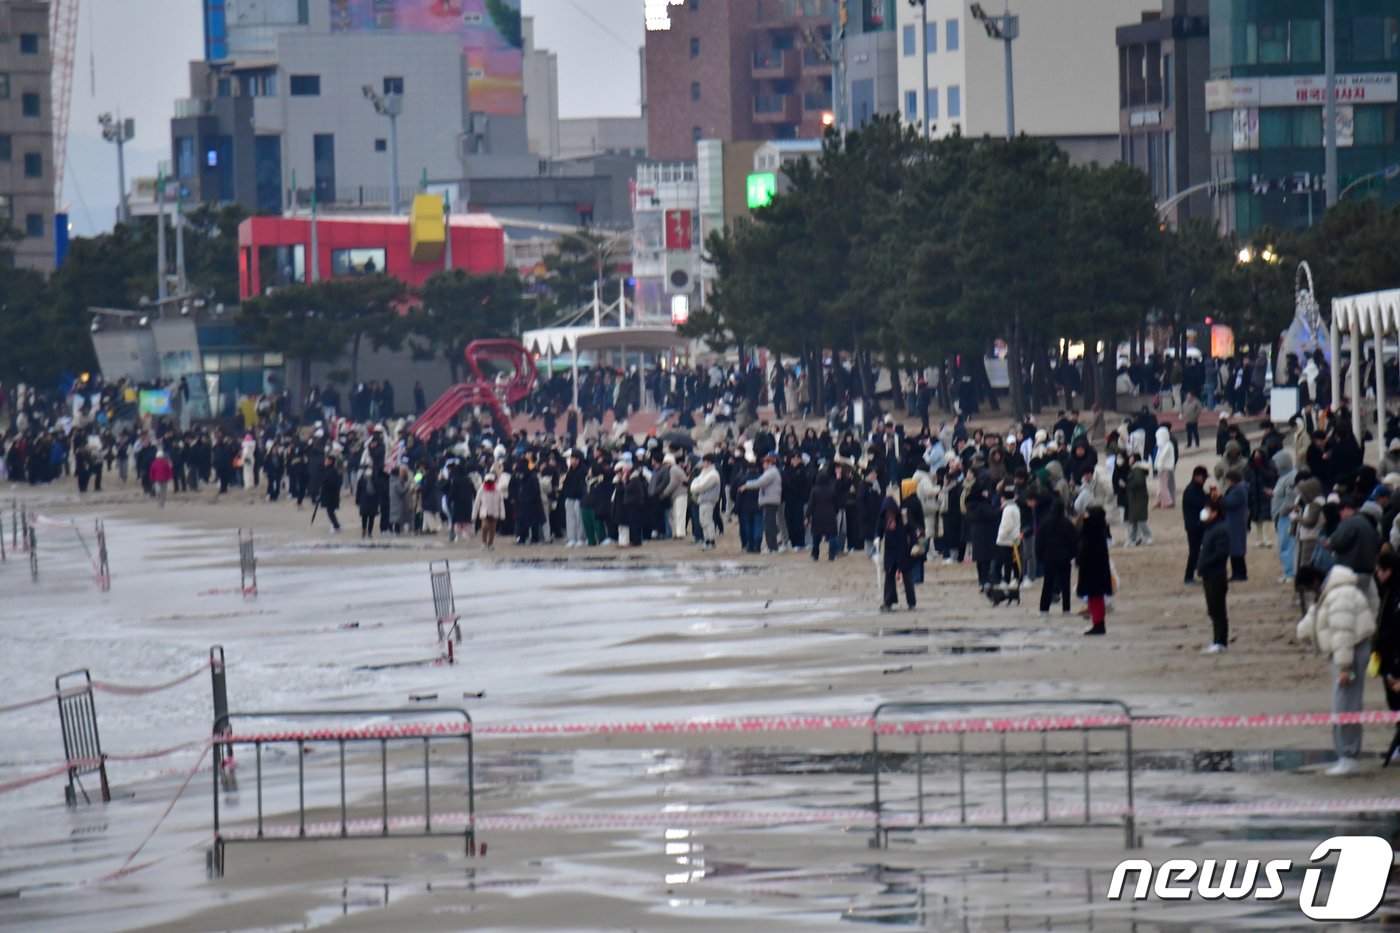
[774, 108]
[814, 64]
[773, 64]
[186, 107]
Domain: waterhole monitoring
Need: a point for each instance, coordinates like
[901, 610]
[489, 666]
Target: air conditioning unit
[680, 273]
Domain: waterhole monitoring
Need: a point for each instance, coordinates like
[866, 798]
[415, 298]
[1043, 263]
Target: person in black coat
[1194, 498]
[982, 518]
[634, 505]
[329, 492]
[1214, 568]
[367, 500]
[821, 514]
[1095, 572]
[1388, 640]
[796, 490]
[1056, 544]
[897, 540]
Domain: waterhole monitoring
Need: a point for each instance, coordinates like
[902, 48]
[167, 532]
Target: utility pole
[121, 132]
[180, 282]
[923, 56]
[1006, 28]
[1329, 108]
[389, 105]
[161, 289]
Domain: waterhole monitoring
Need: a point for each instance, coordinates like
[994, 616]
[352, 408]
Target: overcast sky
[139, 51]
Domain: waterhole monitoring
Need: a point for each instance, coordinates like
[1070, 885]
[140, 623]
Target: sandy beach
[664, 632]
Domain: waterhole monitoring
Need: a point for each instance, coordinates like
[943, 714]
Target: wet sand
[660, 632]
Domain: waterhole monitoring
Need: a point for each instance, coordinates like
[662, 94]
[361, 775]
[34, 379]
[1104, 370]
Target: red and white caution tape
[62, 769]
[131, 690]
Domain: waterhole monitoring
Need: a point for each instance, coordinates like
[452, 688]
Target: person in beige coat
[1340, 624]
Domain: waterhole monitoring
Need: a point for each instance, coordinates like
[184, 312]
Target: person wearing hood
[1165, 465]
[328, 495]
[982, 521]
[1137, 499]
[897, 540]
[1214, 567]
[1235, 501]
[1307, 518]
[248, 452]
[488, 508]
[1340, 624]
[1357, 541]
[1280, 508]
[160, 475]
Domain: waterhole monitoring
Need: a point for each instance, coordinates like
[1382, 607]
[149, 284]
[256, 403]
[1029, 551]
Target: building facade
[1064, 63]
[1163, 62]
[1266, 99]
[735, 69]
[26, 132]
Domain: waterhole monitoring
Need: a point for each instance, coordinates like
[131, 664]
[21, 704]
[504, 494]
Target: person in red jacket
[161, 474]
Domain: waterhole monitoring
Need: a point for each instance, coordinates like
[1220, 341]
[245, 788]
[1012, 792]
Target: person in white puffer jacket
[1006, 567]
[1341, 623]
[1164, 462]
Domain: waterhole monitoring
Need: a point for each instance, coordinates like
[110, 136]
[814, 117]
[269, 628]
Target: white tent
[550, 342]
[1375, 315]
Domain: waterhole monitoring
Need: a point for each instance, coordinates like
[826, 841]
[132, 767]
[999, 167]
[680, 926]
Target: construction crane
[63, 44]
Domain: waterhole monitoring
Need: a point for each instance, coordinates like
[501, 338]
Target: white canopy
[1377, 313]
[556, 341]
[1374, 314]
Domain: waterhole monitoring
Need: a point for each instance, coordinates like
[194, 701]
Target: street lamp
[1388, 173]
[923, 56]
[1006, 28]
[390, 105]
[119, 131]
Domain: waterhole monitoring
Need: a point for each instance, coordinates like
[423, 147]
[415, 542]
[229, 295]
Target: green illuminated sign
[762, 187]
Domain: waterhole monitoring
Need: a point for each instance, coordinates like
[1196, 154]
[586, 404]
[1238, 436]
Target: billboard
[489, 32]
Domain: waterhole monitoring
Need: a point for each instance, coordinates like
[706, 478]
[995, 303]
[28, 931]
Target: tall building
[1162, 66]
[26, 131]
[1266, 100]
[870, 72]
[1064, 62]
[735, 69]
[281, 94]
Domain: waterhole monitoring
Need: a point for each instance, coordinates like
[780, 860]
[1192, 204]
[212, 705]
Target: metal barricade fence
[82, 744]
[31, 544]
[457, 727]
[444, 602]
[997, 786]
[247, 563]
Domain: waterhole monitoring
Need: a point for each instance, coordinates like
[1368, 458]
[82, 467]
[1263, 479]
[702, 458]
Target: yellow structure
[427, 228]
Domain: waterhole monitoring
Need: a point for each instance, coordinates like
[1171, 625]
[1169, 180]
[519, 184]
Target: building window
[4, 86]
[911, 105]
[29, 43]
[393, 85]
[954, 101]
[930, 38]
[380, 145]
[33, 165]
[933, 103]
[184, 157]
[34, 225]
[694, 48]
[1168, 80]
[347, 262]
[908, 40]
[950, 35]
[695, 133]
[7, 210]
[5, 153]
[1305, 40]
[305, 85]
[323, 164]
[1307, 127]
[695, 90]
[694, 5]
[29, 105]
